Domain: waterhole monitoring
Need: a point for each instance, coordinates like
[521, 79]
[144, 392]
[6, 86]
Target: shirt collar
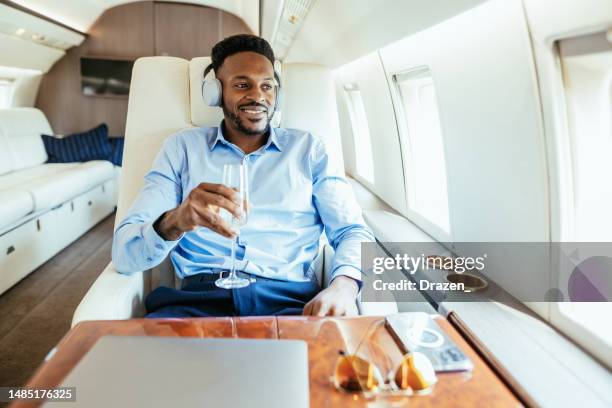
[273, 140]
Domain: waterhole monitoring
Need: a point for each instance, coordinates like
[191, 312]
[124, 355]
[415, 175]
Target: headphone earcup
[212, 92]
[278, 104]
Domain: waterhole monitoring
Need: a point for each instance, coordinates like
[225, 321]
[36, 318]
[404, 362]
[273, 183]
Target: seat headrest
[309, 103]
[201, 114]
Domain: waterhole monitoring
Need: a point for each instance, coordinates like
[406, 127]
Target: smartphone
[416, 331]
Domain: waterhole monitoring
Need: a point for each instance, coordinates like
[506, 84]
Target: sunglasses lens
[355, 374]
[415, 372]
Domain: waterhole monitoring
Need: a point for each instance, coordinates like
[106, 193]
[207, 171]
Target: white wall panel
[24, 94]
[368, 74]
[483, 71]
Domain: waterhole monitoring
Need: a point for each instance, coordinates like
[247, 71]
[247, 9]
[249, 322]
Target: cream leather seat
[15, 205]
[165, 98]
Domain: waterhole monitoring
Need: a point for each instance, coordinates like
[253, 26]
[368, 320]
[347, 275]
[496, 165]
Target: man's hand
[338, 299]
[200, 209]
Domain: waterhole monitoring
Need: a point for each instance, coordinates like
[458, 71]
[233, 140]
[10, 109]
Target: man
[295, 193]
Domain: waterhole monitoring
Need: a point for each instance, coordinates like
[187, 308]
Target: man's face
[248, 92]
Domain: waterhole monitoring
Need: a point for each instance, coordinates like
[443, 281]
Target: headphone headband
[207, 70]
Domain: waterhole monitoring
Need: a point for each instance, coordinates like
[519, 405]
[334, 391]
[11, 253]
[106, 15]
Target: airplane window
[587, 71]
[422, 146]
[361, 134]
[6, 87]
[587, 78]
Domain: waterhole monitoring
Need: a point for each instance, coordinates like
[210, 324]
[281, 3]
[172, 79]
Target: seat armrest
[114, 296]
[378, 308]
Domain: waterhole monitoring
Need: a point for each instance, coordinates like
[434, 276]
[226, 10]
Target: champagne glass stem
[233, 270]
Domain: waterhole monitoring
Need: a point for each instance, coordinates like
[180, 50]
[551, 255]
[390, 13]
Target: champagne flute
[235, 176]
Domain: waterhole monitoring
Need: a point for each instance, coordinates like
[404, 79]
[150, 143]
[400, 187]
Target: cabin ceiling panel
[83, 13]
[18, 53]
[339, 31]
[34, 29]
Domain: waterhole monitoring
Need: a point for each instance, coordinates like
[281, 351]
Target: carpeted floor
[36, 313]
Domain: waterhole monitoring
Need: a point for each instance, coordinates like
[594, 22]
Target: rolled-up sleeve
[136, 244]
[339, 212]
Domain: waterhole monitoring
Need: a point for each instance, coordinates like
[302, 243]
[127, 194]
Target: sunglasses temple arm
[373, 326]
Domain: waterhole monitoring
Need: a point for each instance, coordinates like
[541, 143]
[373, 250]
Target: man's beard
[235, 119]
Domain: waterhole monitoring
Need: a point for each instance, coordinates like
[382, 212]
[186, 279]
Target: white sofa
[157, 109]
[43, 207]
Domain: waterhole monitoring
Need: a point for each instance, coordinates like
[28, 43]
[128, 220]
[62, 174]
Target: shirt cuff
[350, 272]
[158, 246]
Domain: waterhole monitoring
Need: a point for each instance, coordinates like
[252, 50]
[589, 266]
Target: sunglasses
[413, 376]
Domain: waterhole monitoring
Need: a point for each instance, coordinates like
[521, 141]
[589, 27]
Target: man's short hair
[240, 43]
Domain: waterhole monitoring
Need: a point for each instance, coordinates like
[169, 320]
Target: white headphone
[212, 90]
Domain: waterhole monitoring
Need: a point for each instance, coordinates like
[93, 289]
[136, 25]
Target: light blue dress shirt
[296, 191]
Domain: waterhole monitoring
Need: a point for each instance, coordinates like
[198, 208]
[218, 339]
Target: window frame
[560, 314]
[420, 220]
[353, 119]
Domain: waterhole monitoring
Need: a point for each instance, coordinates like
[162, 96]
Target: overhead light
[292, 15]
[38, 37]
[20, 31]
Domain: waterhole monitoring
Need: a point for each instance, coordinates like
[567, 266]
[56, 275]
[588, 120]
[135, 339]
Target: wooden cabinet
[232, 25]
[122, 32]
[185, 31]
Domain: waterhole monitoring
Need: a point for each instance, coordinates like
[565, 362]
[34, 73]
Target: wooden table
[325, 337]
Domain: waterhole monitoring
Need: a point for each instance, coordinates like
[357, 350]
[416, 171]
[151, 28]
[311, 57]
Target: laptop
[139, 371]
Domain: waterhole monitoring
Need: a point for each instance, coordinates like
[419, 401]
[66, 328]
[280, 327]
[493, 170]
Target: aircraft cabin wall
[503, 98]
[488, 171]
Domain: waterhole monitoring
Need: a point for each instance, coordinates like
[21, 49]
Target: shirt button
[159, 246]
[149, 259]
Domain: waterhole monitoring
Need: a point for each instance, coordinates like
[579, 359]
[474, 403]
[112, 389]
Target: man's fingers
[307, 309]
[220, 189]
[323, 309]
[351, 310]
[217, 224]
[315, 307]
[214, 201]
[332, 310]
[214, 222]
[337, 310]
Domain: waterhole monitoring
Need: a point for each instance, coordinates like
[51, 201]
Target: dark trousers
[199, 297]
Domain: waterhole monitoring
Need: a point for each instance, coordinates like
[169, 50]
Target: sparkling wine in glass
[235, 176]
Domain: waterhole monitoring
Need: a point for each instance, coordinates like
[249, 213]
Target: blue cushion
[117, 156]
[79, 147]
